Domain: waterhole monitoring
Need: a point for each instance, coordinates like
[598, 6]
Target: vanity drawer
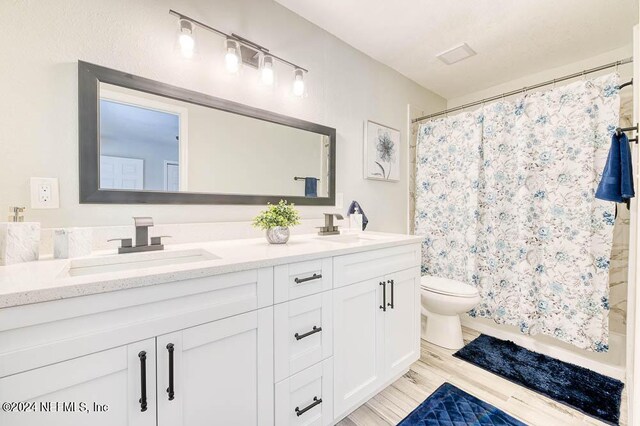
[301, 279]
[358, 267]
[307, 397]
[303, 333]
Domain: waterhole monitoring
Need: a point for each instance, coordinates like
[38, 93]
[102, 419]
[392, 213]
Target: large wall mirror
[142, 141]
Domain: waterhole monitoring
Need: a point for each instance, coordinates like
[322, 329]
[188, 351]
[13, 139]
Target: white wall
[626, 71]
[42, 41]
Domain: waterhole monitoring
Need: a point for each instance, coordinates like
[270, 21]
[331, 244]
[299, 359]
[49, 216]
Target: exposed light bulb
[232, 57]
[266, 72]
[187, 44]
[185, 38]
[298, 82]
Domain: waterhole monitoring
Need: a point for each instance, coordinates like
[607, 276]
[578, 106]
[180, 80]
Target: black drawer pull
[384, 296]
[170, 389]
[311, 278]
[316, 401]
[314, 330]
[143, 380]
[391, 305]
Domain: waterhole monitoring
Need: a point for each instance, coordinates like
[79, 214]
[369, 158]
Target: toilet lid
[448, 287]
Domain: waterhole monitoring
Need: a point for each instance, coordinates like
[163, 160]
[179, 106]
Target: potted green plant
[276, 220]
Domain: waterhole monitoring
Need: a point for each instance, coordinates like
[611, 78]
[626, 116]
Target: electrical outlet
[44, 193]
[339, 200]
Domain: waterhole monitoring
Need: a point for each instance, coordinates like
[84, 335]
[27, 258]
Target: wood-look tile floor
[437, 365]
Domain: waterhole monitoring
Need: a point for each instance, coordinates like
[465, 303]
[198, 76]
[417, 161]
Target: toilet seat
[447, 287]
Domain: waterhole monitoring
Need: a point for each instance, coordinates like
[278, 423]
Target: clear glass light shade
[266, 71]
[232, 57]
[185, 38]
[298, 83]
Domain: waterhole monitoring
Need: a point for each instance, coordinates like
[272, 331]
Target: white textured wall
[42, 41]
[625, 71]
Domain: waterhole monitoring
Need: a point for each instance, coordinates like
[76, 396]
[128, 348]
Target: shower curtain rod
[524, 89]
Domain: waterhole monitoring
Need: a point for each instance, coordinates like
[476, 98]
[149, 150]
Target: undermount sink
[127, 262]
[347, 238]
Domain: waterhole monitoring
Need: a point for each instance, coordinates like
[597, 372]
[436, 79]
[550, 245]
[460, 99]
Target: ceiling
[512, 38]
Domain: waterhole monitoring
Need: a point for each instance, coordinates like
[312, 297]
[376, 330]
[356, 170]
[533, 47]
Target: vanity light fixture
[298, 82]
[266, 70]
[232, 56]
[239, 51]
[185, 38]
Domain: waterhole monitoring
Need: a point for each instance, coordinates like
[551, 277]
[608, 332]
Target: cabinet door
[358, 343]
[104, 388]
[402, 321]
[222, 373]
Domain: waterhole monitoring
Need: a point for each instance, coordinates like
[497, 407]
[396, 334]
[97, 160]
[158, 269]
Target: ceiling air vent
[456, 54]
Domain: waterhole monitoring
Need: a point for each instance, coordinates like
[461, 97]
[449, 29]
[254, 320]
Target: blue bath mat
[587, 391]
[450, 406]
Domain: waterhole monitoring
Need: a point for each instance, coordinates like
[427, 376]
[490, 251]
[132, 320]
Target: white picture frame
[381, 152]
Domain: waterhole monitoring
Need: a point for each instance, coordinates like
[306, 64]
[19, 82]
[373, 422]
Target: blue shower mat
[589, 392]
[450, 406]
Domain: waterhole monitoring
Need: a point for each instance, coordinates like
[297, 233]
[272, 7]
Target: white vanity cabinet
[377, 333]
[106, 387]
[88, 349]
[298, 343]
[221, 370]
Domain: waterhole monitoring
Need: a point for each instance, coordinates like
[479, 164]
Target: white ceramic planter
[278, 235]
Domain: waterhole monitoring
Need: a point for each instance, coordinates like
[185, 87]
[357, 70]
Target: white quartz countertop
[48, 279]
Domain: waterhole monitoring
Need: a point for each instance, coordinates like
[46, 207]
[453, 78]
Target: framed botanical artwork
[381, 152]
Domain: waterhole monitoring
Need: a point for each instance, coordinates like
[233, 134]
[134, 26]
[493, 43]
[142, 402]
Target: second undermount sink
[127, 262]
[348, 238]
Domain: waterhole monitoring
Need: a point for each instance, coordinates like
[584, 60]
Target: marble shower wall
[620, 251]
[618, 272]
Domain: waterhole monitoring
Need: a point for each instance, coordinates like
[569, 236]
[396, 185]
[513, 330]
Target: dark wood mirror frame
[89, 78]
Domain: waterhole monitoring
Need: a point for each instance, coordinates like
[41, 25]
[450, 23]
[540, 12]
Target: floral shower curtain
[505, 201]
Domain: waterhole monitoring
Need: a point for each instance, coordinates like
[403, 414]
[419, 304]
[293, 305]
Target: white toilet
[443, 300]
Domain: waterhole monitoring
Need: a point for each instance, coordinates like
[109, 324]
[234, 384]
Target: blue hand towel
[617, 178]
[310, 187]
[352, 209]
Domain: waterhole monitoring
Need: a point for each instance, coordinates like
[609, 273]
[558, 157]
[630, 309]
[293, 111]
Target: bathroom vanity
[231, 332]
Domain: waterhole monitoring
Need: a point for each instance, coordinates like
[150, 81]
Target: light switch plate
[44, 193]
